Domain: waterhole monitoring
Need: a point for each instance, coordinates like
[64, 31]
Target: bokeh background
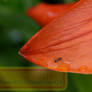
[16, 28]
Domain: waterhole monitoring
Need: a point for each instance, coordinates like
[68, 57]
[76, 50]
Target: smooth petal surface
[44, 13]
[65, 44]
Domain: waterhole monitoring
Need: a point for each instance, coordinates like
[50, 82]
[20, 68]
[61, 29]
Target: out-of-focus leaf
[15, 29]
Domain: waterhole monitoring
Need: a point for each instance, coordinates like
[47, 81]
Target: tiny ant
[58, 59]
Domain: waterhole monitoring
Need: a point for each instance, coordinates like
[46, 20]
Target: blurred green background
[16, 28]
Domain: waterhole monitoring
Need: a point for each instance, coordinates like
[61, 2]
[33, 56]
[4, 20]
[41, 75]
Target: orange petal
[65, 44]
[45, 13]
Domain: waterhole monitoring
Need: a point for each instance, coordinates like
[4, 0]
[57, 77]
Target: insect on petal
[68, 37]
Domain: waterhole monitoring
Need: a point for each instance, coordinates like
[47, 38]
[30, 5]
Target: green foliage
[15, 29]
